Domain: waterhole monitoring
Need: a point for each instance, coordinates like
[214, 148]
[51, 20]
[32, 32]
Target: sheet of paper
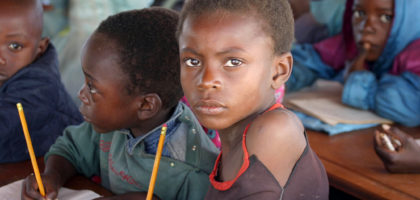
[323, 101]
[13, 191]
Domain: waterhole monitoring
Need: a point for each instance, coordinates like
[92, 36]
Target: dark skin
[405, 158]
[372, 22]
[229, 73]
[20, 36]
[107, 105]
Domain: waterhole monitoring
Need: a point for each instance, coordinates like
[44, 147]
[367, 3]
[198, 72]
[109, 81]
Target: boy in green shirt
[132, 88]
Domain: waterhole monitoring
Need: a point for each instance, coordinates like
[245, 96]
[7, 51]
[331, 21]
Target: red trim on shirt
[222, 186]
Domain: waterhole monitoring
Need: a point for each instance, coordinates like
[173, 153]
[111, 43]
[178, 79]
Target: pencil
[30, 149]
[156, 164]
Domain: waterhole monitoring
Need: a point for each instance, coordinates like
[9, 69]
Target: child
[29, 74]
[234, 55]
[132, 88]
[375, 56]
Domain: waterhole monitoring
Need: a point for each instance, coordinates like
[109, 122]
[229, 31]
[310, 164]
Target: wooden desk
[353, 166]
[15, 171]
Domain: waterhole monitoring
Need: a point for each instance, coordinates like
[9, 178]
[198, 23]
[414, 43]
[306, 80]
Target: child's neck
[231, 138]
[146, 126]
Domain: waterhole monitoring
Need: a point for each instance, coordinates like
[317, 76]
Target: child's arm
[393, 97]
[58, 170]
[277, 139]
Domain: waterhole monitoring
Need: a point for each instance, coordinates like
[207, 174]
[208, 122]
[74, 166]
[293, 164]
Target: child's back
[29, 74]
[234, 55]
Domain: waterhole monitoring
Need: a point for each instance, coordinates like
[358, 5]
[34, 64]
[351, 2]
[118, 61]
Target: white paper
[13, 191]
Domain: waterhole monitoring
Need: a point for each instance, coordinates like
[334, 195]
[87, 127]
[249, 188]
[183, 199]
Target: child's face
[226, 61]
[105, 101]
[20, 38]
[372, 20]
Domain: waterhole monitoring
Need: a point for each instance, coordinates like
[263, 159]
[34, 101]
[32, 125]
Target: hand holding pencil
[29, 182]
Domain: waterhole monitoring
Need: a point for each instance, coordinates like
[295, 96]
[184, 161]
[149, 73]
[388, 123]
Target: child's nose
[82, 94]
[209, 79]
[368, 25]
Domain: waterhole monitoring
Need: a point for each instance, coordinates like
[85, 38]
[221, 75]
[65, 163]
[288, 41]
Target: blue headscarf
[405, 29]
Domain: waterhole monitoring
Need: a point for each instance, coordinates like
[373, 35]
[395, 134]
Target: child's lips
[209, 107]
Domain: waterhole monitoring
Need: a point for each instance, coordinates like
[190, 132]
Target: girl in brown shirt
[234, 55]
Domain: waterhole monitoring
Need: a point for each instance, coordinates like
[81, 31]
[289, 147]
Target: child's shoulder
[279, 126]
[277, 139]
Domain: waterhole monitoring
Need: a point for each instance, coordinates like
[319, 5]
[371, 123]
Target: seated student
[375, 56]
[29, 75]
[131, 67]
[234, 55]
[404, 154]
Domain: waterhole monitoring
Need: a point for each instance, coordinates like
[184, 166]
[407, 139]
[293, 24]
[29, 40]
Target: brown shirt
[308, 180]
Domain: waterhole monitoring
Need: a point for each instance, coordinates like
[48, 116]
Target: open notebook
[13, 191]
[323, 101]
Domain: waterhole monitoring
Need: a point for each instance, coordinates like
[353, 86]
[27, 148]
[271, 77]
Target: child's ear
[281, 70]
[148, 106]
[42, 46]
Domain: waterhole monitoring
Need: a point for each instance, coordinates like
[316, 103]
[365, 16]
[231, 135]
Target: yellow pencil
[30, 149]
[156, 164]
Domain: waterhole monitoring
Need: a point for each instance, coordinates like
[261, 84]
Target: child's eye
[92, 90]
[386, 18]
[358, 13]
[233, 62]
[191, 62]
[15, 46]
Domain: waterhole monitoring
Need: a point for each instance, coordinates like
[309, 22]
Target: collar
[151, 138]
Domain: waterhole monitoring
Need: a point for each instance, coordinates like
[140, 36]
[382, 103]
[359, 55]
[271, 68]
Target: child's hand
[30, 187]
[399, 152]
[357, 63]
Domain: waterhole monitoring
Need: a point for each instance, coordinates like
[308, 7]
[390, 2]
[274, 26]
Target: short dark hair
[276, 14]
[148, 50]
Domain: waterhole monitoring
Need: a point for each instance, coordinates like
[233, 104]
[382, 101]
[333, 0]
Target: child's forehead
[378, 4]
[24, 15]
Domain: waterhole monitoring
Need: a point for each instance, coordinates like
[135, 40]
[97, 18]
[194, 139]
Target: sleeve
[393, 97]
[195, 185]
[79, 145]
[307, 67]
[37, 98]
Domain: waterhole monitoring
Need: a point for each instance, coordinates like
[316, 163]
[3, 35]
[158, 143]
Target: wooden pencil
[157, 161]
[30, 149]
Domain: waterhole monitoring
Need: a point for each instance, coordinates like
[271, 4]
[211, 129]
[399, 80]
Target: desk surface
[353, 166]
[15, 171]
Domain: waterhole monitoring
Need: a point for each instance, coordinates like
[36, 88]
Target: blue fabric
[330, 13]
[362, 83]
[317, 125]
[47, 106]
[307, 67]
[151, 139]
[405, 29]
[396, 97]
